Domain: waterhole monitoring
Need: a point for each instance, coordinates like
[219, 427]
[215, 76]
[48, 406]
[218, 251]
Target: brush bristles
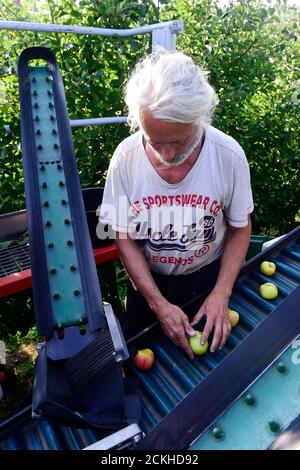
[92, 361]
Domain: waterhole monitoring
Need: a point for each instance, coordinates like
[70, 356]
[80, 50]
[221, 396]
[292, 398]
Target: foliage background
[251, 49]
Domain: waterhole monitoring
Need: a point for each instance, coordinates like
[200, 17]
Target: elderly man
[178, 196]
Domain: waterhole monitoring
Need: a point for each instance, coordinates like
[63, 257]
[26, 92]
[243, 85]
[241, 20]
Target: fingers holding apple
[196, 346]
[268, 291]
[144, 359]
[234, 317]
[267, 268]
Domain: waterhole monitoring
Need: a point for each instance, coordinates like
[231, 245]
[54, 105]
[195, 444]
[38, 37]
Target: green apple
[268, 291]
[196, 346]
[234, 317]
[268, 268]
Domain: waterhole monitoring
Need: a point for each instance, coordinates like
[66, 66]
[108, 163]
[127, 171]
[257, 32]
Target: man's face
[172, 143]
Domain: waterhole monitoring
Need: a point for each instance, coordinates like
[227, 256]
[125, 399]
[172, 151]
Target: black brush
[107, 349]
[92, 361]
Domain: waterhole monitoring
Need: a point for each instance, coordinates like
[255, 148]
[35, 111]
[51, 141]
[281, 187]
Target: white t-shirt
[179, 227]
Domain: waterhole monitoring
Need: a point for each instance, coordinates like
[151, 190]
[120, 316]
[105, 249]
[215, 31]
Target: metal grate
[14, 259]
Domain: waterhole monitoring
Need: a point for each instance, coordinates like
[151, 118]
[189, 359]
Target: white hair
[172, 88]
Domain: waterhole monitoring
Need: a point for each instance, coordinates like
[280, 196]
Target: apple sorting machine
[245, 396]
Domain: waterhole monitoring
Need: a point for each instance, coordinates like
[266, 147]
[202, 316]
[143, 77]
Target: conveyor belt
[199, 391]
[172, 392]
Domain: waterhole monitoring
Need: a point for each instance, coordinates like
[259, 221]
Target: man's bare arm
[215, 306]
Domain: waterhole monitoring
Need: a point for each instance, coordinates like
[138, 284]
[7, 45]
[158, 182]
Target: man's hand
[176, 326]
[215, 308]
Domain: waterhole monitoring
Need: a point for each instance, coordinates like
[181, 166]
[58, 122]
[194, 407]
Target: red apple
[144, 359]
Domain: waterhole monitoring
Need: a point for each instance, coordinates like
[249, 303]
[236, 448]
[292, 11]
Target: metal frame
[20, 281]
[163, 34]
[126, 437]
[169, 27]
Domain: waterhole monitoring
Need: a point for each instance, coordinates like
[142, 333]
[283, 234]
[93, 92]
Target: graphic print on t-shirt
[181, 222]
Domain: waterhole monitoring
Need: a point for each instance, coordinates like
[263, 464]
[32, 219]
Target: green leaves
[250, 49]
[94, 69]
[253, 60]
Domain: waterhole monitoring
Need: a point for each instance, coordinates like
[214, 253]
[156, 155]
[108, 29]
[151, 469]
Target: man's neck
[173, 174]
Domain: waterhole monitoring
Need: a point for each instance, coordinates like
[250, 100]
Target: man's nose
[168, 152]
